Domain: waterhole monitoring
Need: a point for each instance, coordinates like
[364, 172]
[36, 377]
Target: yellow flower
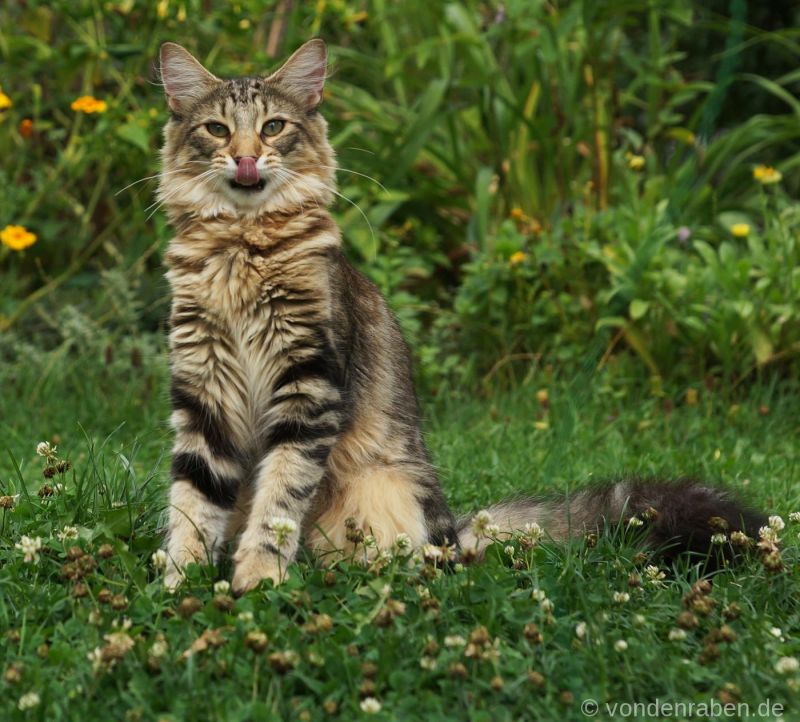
[517, 258]
[636, 162]
[5, 101]
[740, 230]
[89, 104]
[766, 174]
[517, 213]
[17, 238]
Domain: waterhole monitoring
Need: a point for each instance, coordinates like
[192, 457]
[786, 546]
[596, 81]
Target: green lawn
[493, 642]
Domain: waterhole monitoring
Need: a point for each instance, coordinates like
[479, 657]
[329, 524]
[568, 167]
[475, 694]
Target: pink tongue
[246, 172]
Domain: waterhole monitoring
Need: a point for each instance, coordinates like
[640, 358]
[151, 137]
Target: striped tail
[681, 516]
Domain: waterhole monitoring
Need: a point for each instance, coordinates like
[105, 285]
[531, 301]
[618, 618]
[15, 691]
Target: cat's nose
[246, 171]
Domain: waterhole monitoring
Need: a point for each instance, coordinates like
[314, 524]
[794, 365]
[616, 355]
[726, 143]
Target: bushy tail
[680, 516]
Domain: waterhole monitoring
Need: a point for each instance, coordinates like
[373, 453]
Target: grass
[335, 637]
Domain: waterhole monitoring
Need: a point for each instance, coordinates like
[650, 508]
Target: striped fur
[291, 390]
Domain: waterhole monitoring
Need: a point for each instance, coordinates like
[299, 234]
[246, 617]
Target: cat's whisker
[354, 172]
[159, 175]
[343, 197]
[283, 175]
[173, 191]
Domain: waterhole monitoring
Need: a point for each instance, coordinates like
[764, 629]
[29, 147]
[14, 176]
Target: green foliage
[597, 126]
[586, 429]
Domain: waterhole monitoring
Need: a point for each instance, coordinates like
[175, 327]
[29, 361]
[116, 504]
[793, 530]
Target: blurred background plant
[602, 183]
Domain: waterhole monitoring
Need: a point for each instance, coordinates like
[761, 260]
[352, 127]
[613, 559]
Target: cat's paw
[252, 568]
[173, 578]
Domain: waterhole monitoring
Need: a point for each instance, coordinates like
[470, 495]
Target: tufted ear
[303, 75]
[185, 79]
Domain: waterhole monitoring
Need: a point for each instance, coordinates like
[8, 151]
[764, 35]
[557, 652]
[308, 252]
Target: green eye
[217, 130]
[272, 127]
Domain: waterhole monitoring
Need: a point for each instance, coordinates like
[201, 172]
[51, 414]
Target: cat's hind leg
[384, 501]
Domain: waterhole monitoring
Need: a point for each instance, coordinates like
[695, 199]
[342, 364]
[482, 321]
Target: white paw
[173, 577]
[253, 567]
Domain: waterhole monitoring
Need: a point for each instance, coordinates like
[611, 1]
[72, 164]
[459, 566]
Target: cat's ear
[303, 75]
[185, 79]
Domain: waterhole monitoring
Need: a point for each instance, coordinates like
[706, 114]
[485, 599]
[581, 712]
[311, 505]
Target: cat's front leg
[206, 478]
[284, 485]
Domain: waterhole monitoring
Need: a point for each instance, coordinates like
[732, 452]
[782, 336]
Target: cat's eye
[272, 127]
[217, 130]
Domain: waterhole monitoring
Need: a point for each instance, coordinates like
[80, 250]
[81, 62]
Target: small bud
[536, 679]
[457, 671]
[532, 634]
[223, 602]
[189, 606]
[106, 551]
[257, 641]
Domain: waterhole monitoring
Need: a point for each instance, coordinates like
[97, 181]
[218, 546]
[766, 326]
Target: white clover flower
[776, 522]
[222, 587]
[402, 542]
[492, 531]
[718, 538]
[620, 645]
[428, 663]
[654, 575]
[370, 541]
[480, 521]
[43, 448]
[634, 521]
[28, 701]
[794, 517]
[96, 658]
[95, 618]
[580, 630]
[30, 547]
[159, 648]
[283, 528]
[776, 632]
[386, 590]
[431, 552]
[533, 531]
[245, 617]
[546, 606]
[621, 597]
[677, 635]
[768, 534]
[454, 640]
[639, 620]
[509, 550]
[787, 665]
[458, 567]
[124, 625]
[68, 532]
[370, 705]
[159, 560]
[538, 595]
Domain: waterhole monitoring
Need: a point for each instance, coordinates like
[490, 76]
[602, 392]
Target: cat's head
[245, 146]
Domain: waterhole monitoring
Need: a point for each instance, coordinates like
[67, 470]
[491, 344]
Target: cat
[293, 405]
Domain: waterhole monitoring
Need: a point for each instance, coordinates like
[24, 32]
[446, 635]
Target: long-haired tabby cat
[292, 396]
